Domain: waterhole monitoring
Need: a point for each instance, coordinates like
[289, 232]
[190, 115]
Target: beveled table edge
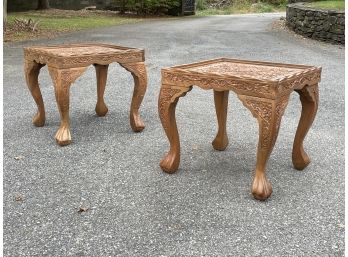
[34, 53]
[276, 87]
[83, 44]
[304, 68]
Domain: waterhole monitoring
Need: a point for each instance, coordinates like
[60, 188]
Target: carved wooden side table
[264, 88]
[67, 62]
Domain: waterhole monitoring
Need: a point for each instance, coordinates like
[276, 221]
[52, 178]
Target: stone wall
[325, 25]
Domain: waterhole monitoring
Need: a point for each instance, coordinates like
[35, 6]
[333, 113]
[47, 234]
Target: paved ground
[203, 210]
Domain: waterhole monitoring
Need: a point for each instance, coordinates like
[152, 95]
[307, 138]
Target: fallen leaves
[19, 198]
[82, 209]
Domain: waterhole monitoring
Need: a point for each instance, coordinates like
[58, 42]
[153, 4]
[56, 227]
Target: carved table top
[79, 55]
[264, 79]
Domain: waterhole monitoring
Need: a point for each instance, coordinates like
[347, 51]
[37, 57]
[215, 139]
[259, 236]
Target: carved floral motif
[246, 77]
[261, 110]
[301, 81]
[69, 76]
[65, 77]
[246, 70]
[79, 51]
[279, 111]
[28, 66]
[311, 92]
[218, 83]
[67, 62]
[137, 68]
[280, 108]
[168, 96]
[264, 90]
[81, 55]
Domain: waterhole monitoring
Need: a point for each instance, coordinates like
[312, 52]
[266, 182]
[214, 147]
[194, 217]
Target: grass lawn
[333, 5]
[243, 7]
[53, 22]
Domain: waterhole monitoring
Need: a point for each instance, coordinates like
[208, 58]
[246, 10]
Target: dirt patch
[15, 36]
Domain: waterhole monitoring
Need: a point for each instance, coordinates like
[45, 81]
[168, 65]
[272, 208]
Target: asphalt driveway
[205, 209]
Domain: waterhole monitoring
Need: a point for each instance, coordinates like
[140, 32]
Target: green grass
[53, 22]
[243, 7]
[333, 5]
[71, 23]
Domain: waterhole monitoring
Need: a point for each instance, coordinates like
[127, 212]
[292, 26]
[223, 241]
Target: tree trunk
[5, 14]
[123, 7]
[43, 4]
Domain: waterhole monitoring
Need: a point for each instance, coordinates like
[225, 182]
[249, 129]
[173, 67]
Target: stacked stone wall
[325, 25]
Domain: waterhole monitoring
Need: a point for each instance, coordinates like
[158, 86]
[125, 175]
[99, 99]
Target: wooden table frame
[67, 62]
[264, 93]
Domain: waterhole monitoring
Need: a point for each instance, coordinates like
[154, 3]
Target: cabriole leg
[268, 114]
[168, 98]
[139, 74]
[62, 79]
[221, 101]
[309, 97]
[102, 72]
[32, 70]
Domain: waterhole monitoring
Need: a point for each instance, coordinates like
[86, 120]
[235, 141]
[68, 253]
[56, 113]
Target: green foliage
[274, 2]
[334, 5]
[201, 5]
[244, 6]
[146, 6]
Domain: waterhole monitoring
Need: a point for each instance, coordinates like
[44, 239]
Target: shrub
[201, 5]
[146, 6]
[274, 2]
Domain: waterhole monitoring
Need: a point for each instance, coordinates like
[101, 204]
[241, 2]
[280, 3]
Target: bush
[274, 2]
[201, 5]
[146, 6]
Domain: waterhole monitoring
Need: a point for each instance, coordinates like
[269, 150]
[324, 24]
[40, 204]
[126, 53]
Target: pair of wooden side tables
[263, 87]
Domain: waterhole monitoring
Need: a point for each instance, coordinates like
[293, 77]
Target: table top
[262, 79]
[265, 71]
[67, 55]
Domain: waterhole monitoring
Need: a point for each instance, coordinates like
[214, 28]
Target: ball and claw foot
[63, 136]
[101, 109]
[137, 124]
[169, 164]
[220, 144]
[39, 119]
[261, 188]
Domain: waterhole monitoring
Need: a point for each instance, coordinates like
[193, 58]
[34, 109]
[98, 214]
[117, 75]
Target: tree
[5, 13]
[43, 4]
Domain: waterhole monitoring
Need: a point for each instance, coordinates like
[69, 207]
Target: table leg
[139, 74]
[168, 98]
[221, 101]
[62, 79]
[32, 70]
[309, 97]
[102, 71]
[268, 113]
